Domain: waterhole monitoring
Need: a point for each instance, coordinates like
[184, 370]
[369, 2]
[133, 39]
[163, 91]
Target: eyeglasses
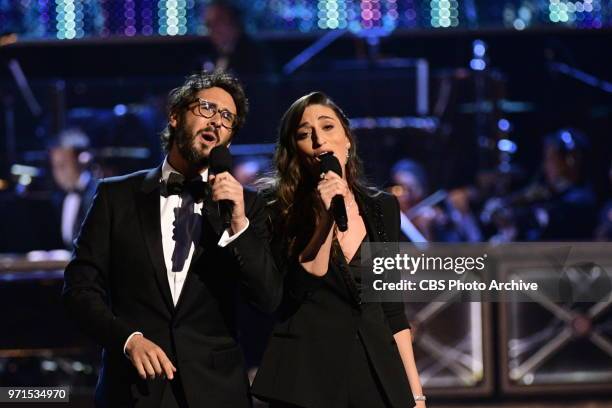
[208, 109]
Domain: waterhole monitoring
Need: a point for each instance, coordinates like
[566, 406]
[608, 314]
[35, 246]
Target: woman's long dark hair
[291, 189]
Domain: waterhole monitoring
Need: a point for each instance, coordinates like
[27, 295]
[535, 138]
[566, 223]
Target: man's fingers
[226, 194]
[150, 361]
[154, 360]
[227, 191]
[148, 368]
[167, 366]
[138, 364]
[215, 179]
[226, 185]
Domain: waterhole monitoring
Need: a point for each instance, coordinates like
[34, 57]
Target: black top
[353, 270]
[355, 266]
[319, 318]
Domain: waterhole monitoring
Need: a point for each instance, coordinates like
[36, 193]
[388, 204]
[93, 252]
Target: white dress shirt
[71, 206]
[181, 226]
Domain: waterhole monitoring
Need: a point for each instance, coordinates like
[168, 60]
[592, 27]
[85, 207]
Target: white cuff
[226, 239]
[128, 340]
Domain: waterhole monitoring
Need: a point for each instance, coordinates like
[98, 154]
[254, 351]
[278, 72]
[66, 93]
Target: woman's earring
[348, 154]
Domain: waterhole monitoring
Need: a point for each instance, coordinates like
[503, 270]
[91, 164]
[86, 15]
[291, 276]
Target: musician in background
[448, 218]
[234, 50]
[69, 162]
[560, 206]
[248, 169]
[604, 229]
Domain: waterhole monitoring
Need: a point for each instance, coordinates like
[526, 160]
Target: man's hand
[149, 359]
[226, 187]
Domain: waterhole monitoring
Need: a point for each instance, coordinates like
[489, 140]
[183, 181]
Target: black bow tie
[176, 184]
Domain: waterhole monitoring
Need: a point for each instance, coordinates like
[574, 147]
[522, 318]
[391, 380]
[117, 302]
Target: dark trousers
[174, 396]
[361, 389]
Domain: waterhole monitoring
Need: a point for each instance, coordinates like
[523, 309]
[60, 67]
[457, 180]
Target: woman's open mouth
[318, 155]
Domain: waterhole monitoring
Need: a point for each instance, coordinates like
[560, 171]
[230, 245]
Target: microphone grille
[220, 160]
[329, 162]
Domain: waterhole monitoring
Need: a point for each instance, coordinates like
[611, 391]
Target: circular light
[506, 146]
[518, 24]
[479, 49]
[477, 64]
[503, 125]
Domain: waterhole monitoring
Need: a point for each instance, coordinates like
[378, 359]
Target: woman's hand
[330, 186]
[315, 256]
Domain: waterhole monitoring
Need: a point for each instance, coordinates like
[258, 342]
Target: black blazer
[308, 352]
[87, 195]
[116, 284]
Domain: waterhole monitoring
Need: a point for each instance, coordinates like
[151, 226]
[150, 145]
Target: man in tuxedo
[154, 276]
[68, 159]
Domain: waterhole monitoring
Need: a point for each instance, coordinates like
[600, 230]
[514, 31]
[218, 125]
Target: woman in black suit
[329, 349]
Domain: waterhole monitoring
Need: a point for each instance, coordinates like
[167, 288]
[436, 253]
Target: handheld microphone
[221, 160]
[329, 162]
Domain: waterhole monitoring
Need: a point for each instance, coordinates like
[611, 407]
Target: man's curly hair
[179, 98]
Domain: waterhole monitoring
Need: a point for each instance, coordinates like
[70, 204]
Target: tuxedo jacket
[307, 357]
[116, 284]
[87, 195]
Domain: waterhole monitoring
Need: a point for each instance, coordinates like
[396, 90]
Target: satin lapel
[149, 214]
[368, 211]
[210, 213]
[337, 278]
